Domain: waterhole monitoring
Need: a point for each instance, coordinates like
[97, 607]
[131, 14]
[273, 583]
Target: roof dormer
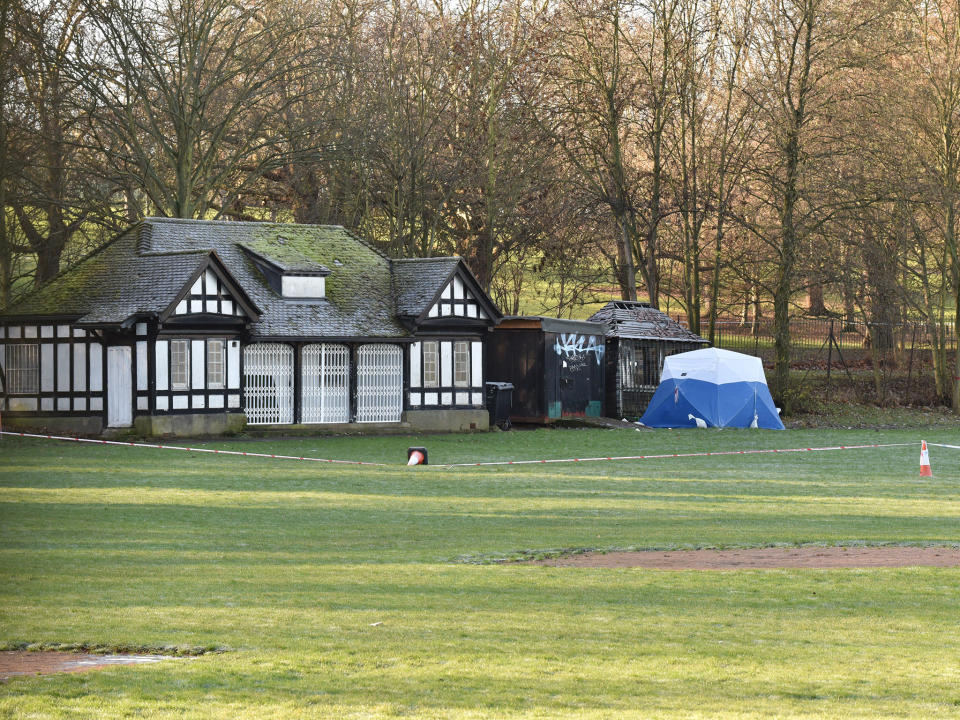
[289, 272]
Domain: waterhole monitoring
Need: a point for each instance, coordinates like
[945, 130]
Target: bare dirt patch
[20, 662]
[766, 558]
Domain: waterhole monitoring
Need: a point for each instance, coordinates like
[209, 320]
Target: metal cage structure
[325, 383]
[268, 383]
[379, 383]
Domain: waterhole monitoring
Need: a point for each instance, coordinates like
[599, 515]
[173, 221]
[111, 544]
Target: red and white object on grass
[925, 470]
[416, 456]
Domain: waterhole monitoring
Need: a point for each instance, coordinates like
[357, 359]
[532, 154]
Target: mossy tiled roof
[417, 282]
[143, 270]
[285, 254]
[113, 284]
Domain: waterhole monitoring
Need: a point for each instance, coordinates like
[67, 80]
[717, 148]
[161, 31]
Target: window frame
[9, 371]
[219, 384]
[185, 384]
[461, 354]
[431, 348]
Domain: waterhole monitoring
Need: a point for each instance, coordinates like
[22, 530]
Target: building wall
[72, 377]
[70, 369]
[434, 380]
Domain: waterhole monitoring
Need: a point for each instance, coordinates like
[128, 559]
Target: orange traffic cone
[416, 456]
[925, 470]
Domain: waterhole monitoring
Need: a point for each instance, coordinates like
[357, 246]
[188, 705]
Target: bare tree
[185, 91]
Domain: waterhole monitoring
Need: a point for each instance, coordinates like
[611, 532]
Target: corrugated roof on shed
[640, 321]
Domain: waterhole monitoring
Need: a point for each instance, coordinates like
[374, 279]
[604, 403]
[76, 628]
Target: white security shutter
[325, 384]
[379, 383]
[268, 383]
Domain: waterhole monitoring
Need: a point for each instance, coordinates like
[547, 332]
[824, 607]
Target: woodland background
[751, 159]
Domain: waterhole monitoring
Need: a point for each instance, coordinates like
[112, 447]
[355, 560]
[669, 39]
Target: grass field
[290, 565]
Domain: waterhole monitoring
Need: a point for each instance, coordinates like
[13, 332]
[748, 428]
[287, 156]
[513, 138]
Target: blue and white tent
[717, 387]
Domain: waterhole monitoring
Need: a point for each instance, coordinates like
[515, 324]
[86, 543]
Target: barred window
[22, 369]
[461, 363]
[215, 364]
[179, 364]
[431, 364]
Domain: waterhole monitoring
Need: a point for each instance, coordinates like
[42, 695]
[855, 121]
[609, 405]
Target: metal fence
[819, 341]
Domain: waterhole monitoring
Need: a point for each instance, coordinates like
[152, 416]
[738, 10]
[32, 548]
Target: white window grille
[379, 383]
[22, 369]
[180, 364]
[461, 363]
[215, 364]
[431, 364]
[268, 383]
[325, 384]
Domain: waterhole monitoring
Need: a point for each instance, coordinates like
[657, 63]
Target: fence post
[830, 341]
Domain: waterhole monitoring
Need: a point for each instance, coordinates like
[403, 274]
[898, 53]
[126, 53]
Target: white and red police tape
[659, 456]
[213, 451]
[662, 456]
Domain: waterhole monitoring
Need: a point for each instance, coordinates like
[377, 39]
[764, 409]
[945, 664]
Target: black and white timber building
[188, 326]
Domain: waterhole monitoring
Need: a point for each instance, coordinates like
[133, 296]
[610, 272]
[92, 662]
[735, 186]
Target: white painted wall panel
[180, 402]
[63, 368]
[211, 281]
[163, 402]
[30, 331]
[79, 367]
[471, 311]
[233, 401]
[18, 404]
[63, 404]
[233, 364]
[96, 367]
[463, 398]
[181, 308]
[458, 310]
[161, 353]
[3, 332]
[446, 398]
[46, 367]
[196, 306]
[80, 404]
[96, 403]
[457, 288]
[477, 398]
[434, 311]
[197, 288]
[63, 331]
[303, 287]
[446, 364]
[14, 332]
[198, 401]
[415, 399]
[142, 365]
[81, 333]
[216, 401]
[45, 332]
[46, 404]
[431, 398]
[446, 292]
[141, 328]
[227, 307]
[476, 356]
[198, 360]
[211, 306]
[415, 351]
[143, 403]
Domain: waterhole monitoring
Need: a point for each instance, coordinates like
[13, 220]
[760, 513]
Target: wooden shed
[638, 338]
[556, 367]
